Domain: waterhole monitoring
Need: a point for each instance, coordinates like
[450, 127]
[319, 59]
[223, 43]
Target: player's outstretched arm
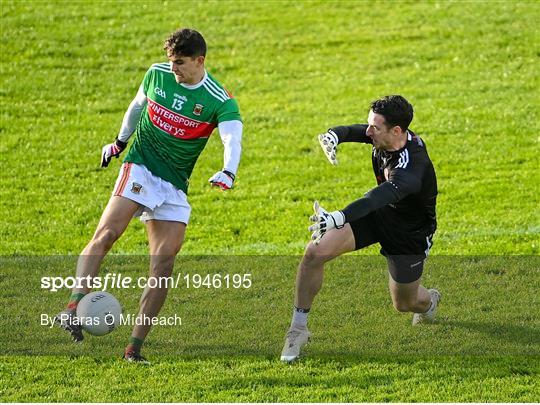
[324, 221]
[231, 137]
[336, 135]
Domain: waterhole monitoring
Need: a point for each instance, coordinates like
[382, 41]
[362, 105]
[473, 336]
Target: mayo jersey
[177, 122]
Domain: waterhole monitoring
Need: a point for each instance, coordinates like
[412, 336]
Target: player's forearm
[374, 199]
[231, 136]
[351, 133]
[132, 116]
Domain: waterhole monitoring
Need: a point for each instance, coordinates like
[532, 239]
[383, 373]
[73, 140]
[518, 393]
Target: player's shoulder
[216, 89]
[415, 145]
[414, 141]
[162, 67]
[414, 152]
[210, 78]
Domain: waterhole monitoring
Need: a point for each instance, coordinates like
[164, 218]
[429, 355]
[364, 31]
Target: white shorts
[159, 198]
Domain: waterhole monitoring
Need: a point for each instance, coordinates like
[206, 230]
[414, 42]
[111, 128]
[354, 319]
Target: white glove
[223, 179]
[329, 141]
[324, 221]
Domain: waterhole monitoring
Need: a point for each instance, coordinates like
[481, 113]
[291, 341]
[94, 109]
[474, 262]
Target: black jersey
[405, 197]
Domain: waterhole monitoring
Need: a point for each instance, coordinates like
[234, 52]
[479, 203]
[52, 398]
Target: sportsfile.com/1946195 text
[116, 280]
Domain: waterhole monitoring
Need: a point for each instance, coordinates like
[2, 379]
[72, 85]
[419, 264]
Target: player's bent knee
[168, 249]
[314, 255]
[105, 238]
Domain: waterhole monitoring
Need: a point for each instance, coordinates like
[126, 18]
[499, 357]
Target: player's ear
[200, 59]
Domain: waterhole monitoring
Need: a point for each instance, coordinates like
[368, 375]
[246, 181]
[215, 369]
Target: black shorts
[405, 252]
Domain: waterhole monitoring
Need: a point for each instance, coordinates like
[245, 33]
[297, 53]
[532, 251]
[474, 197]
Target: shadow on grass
[517, 334]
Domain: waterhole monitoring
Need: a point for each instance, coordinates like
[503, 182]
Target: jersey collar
[196, 85]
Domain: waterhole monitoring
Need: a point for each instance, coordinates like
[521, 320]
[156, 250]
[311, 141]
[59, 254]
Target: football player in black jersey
[399, 214]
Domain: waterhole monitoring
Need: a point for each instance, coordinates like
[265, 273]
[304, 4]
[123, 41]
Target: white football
[99, 313]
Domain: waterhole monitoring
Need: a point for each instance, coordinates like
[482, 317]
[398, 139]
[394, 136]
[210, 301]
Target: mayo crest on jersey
[178, 120]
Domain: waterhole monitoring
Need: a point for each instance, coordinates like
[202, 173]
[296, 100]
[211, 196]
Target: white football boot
[295, 339]
[430, 314]
[133, 356]
[67, 321]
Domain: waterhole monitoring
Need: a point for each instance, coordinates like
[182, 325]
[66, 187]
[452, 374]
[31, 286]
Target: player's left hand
[324, 221]
[223, 179]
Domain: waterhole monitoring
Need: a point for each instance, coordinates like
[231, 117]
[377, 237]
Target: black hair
[395, 109]
[185, 42]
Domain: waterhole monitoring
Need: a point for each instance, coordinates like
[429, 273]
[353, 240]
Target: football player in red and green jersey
[175, 111]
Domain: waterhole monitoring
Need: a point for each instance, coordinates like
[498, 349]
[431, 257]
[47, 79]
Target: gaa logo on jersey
[160, 92]
[197, 110]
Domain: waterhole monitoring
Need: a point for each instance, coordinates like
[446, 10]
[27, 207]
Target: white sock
[299, 318]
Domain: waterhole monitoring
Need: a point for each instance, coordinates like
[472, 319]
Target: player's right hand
[329, 141]
[111, 150]
[324, 221]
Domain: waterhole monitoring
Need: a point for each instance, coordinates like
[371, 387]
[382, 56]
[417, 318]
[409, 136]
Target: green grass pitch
[69, 71]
